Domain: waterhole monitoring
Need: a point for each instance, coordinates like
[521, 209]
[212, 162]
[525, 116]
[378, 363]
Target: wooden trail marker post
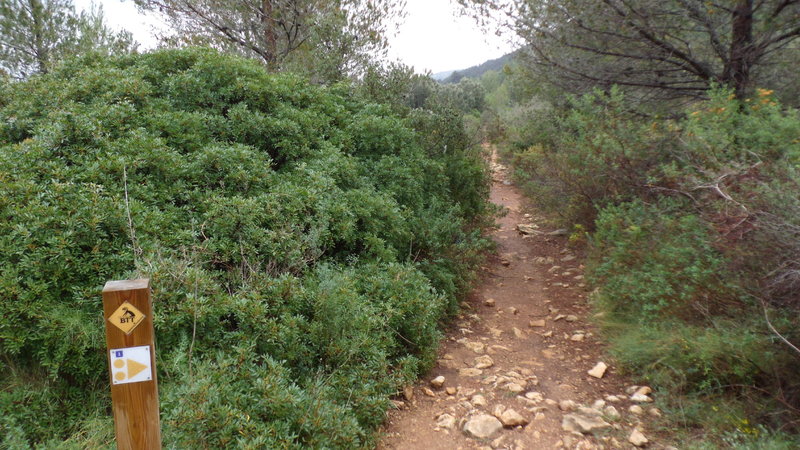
[128, 314]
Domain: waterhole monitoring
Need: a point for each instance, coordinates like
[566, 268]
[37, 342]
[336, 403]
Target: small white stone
[611, 413]
[445, 421]
[437, 382]
[636, 409]
[515, 388]
[511, 418]
[644, 390]
[482, 426]
[580, 423]
[566, 405]
[477, 347]
[598, 370]
[637, 438]
[478, 400]
[498, 443]
[483, 362]
[494, 349]
[470, 372]
[640, 398]
[537, 323]
[534, 396]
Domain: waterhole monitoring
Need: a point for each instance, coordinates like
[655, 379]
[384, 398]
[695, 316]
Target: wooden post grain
[135, 404]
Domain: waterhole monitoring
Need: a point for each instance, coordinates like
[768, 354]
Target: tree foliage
[36, 34]
[660, 49]
[326, 38]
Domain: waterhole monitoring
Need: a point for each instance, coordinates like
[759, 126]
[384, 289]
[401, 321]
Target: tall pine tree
[36, 34]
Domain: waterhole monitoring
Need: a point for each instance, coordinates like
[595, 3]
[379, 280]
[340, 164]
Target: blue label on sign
[118, 354]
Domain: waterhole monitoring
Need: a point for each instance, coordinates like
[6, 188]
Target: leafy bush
[302, 243]
[653, 261]
[592, 155]
[657, 269]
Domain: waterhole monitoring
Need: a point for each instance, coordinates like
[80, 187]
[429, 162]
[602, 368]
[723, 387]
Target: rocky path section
[522, 368]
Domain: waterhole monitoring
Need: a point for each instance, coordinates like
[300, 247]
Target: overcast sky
[433, 36]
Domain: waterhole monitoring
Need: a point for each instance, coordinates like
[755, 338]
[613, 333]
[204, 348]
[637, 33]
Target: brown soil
[530, 278]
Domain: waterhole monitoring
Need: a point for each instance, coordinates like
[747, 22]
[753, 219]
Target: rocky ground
[522, 368]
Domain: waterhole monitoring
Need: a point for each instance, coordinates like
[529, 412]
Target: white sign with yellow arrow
[131, 365]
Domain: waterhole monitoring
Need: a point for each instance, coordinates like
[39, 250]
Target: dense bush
[672, 249]
[303, 246]
[609, 157]
[657, 269]
[693, 244]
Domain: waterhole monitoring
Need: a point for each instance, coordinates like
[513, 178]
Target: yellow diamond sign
[126, 317]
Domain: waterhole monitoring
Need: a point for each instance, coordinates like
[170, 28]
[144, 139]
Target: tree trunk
[269, 32]
[742, 52]
[39, 49]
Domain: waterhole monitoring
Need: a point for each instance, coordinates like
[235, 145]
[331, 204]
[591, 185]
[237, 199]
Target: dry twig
[774, 330]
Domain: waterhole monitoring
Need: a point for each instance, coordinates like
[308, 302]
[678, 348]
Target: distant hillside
[440, 76]
[477, 71]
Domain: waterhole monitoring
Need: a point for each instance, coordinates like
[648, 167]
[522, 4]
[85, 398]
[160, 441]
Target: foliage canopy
[327, 39]
[36, 34]
[658, 49]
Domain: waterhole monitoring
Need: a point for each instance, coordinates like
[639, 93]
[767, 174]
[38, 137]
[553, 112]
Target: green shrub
[654, 260]
[657, 269]
[592, 155]
[303, 246]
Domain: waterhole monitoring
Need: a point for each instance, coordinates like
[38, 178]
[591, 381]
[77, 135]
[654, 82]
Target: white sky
[433, 37]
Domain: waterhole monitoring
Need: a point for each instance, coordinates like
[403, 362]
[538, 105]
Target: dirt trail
[527, 321]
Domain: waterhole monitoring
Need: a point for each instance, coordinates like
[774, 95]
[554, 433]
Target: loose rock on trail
[522, 367]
